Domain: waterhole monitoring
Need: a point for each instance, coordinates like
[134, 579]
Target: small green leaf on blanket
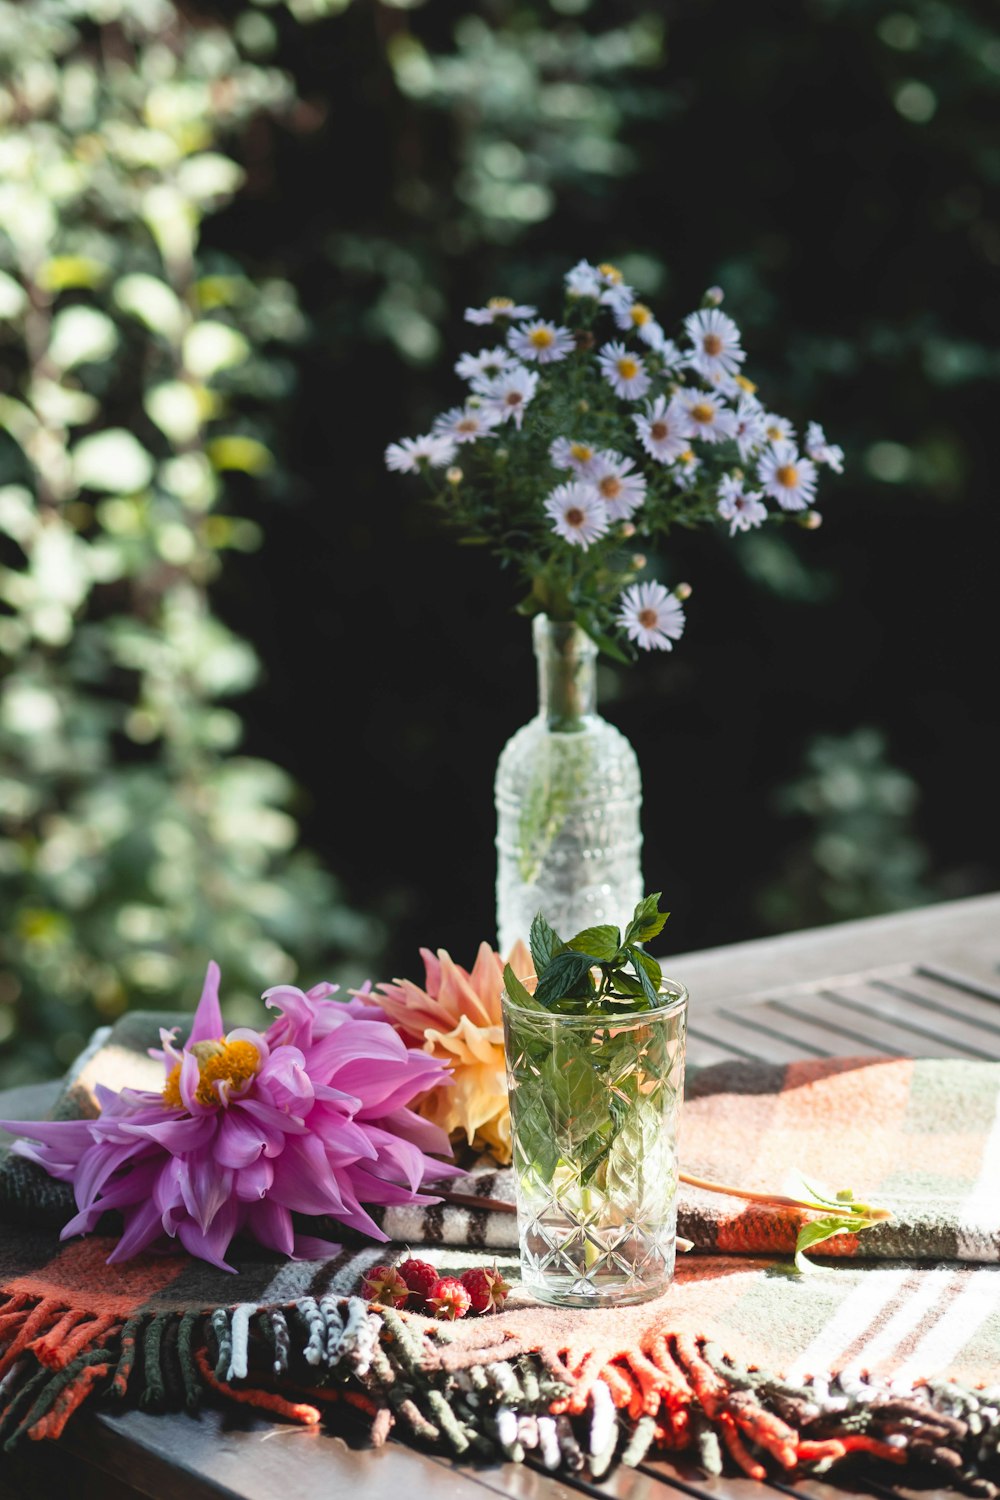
[817, 1231]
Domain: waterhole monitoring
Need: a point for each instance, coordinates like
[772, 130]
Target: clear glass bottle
[568, 798]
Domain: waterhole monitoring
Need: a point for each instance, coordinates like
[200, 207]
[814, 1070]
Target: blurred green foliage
[137, 842]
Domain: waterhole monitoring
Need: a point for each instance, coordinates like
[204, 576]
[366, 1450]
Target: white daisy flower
[584, 280]
[707, 417]
[569, 453]
[622, 490]
[541, 341]
[484, 366]
[636, 317]
[672, 357]
[651, 616]
[466, 424]
[750, 421]
[663, 430]
[579, 516]
[778, 429]
[716, 341]
[624, 372]
[822, 452]
[743, 509]
[413, 454]
[686, 470]
[510, 393]
[791, 480]
[498, 308]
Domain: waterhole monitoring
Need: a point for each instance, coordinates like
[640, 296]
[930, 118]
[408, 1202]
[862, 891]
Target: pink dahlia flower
[310, 1116]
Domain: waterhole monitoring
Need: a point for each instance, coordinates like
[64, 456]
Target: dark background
[833, 167]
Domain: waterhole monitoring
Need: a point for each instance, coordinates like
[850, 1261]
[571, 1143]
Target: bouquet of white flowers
[580, 440]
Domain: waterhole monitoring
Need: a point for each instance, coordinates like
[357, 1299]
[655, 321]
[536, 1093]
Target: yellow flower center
[687, 457]
[627, 368]
[610, 273]
[712, 344]
[788, 475]
[745, 384]
[648, 618]
[237, 1062]
[640, 314]
[574, 517]
[581, 452]
[658, 431]
[610, 486]
[702, 412]
[500, 304]
[541, 338]
[775, 434]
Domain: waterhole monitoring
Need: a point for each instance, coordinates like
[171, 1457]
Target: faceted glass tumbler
[594, 1102]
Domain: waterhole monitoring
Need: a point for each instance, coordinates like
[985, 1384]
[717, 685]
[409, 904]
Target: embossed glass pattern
[594, 1106]
[568, 798]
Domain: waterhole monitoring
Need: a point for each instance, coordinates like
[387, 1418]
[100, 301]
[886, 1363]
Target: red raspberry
[449, 1299]
[486, 1288]
[419, 1277]
[383, 1284]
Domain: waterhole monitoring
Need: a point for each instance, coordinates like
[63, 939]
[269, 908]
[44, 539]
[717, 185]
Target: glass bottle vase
[568, 799]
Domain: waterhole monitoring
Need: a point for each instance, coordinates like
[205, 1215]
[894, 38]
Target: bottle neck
[567, 674]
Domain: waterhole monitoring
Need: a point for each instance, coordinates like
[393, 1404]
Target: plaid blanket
[897, 1357]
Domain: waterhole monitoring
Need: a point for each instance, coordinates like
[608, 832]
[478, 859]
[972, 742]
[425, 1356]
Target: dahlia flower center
[540, 338]
[236, 1062]
[788, 475]
[702, 412]
[628, 369]
[712, 344]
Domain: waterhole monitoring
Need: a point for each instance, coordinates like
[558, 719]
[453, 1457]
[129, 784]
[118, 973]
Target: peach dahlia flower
[456, 1017]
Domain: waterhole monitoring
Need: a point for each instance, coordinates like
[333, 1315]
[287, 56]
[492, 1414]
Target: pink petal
[207, 1025]
[241, 1140]
[206, 1189]
[308, 1247]
[251, 1183]
[142, 1227]
[211, 1244]
[272, 1226]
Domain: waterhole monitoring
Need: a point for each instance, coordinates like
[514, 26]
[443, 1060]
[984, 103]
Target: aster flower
[578, 514]
[466, 424]
[410, 455]
[499, 309]
[584, 280]
[822, 452]
[716, 341]
[663, 429]
[686, 469]
[624, 372]
[622, 490]
[510, 393]
[789, 479]
[707, 416]
[485, 366]
[456, 1017]
[636, 317]
[778, 429]
[743, 509]
[545, 343]
[570, 453]
[651, 616]
[310, 1116]
[750, 421]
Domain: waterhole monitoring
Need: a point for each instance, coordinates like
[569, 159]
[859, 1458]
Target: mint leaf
[605, 643]
[818, 1231]
[648, 966]
[517, 991]
[601, 943]
[647, 920]
[544, 943]
[566, 977]
[647, 985]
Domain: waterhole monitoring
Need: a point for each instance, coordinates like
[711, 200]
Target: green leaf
[643, 964]
[605, 643]
[818, 1231]
[577, 1098]
[647, 985]
[568, 975]
[544, 943]
[517, 991]
[647, 920]
[601, 943]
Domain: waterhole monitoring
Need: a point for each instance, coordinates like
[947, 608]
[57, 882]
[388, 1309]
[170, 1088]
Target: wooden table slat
[923, 1032]
[929, 993]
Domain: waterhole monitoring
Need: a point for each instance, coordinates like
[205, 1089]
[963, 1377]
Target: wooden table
[923, 983]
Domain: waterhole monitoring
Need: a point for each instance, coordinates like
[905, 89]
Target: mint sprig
[845, 1216]
[599, 969]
